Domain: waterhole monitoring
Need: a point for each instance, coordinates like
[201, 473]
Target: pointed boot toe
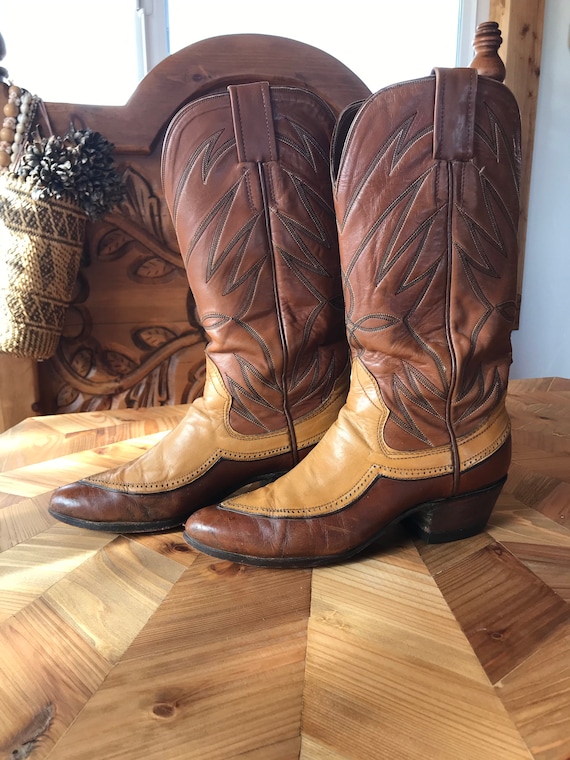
[87, 505]
[265, 542]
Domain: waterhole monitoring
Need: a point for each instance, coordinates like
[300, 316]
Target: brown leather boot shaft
[247, 181]
[426, 194]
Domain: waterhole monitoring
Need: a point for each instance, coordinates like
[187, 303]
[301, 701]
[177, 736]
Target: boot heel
[455, 518]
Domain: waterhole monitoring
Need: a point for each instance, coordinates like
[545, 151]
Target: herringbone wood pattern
[137, 647]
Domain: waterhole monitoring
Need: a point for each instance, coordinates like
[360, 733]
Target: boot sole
[119, 527]
[435, 522]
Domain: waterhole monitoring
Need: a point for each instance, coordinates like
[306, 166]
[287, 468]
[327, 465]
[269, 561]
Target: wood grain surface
[138, 647]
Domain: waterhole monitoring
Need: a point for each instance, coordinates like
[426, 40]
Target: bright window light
[72, 51]
[381, 42]
[79, 51]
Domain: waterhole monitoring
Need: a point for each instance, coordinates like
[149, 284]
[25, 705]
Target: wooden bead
[4, 158]
[14, 90]
[7, 134]
[11, 109]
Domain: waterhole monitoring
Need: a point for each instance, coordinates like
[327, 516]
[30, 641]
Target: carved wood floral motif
[132, 338]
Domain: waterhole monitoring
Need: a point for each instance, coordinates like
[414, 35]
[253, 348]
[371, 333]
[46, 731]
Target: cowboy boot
[247, 182]
[425, 178]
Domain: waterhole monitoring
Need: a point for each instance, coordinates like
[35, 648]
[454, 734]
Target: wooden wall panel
[521, 23]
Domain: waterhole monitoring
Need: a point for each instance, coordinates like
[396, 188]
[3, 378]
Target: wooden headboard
[131, 338]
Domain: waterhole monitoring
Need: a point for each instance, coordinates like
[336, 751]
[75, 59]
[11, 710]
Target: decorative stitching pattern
[263, 238]
[398, 324]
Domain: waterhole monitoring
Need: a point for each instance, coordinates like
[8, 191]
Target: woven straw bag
[40, 249]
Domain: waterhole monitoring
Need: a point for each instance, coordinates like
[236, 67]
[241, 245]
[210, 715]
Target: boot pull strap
[454, 114]
[253, 122]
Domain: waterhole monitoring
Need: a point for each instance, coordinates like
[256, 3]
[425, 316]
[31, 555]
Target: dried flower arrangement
[76, 167]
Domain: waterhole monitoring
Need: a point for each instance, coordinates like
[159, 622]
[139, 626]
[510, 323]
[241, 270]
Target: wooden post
[18, 389]
[521, 23]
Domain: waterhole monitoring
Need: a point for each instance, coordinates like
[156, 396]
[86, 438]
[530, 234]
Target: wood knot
[180, 548]
[164, 710]
[27, 739]
[226, 568]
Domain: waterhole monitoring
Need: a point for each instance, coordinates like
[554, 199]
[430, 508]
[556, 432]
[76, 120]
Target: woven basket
[40, 249]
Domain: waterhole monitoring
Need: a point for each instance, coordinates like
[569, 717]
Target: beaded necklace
[19, 112]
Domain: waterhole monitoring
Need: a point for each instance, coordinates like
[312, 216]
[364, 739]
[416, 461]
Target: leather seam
[267, 123]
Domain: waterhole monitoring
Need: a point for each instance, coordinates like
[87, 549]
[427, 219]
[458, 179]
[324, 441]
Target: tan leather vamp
[205, 436]
[354, 453]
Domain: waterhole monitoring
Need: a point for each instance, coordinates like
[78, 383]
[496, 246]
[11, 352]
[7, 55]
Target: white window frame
[472, 13]
[152, 27]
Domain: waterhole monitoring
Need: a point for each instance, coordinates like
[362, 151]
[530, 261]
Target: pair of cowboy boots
[422, 215]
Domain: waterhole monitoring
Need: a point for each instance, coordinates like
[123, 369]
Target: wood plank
[549, 438]
[245, 597]
[521, 23]
[556, 505]
[91, 598]
[528, 485]
[7, 499]
[47, 673]
[169, 544]
[23, 519]
[537, 695]
[511, 520]
[544, 403]
[550, 563]
[34, 439]
[36, 479]
[560, 384]
[220, 680]
[201, 703]
[518, 613]
[546, 492]
[389, 671]
[523, 453]
[440, 557]
[175, 654]
[17, 399]
[314, 749]
[552, 467]
[31, 567]
[288, 749]
[532, 384]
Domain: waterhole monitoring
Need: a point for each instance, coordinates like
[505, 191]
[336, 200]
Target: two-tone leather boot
[426, 177]
[247, 182]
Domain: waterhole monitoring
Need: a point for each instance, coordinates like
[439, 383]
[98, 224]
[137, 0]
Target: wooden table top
[140, 648]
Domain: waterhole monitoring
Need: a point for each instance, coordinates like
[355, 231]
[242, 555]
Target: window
[84, 52]
[381, 42]
[72, 51]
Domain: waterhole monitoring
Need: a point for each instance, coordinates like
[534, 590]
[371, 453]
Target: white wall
[541, 346]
